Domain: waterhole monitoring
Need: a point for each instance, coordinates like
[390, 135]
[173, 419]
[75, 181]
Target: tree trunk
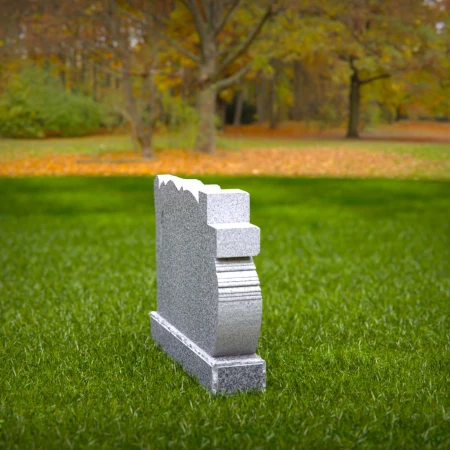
[298, 84]
[82, 70]
[62, 78]
[146, 142]
[272, 106]
[207, 98]
[354, 105]
[94, 81]
[261, 100]
[184, 89]
[62, 70]
[147, 147]
[210, 18]
[239, 106]
[206, 137]
[142, 133]
[399, 113]
[221, 110]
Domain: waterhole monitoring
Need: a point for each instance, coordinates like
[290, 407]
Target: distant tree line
[67, 67]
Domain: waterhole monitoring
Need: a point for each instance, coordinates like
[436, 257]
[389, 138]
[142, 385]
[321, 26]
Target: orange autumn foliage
[318, 161]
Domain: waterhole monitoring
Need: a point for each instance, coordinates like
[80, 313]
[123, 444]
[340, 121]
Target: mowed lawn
[355, 278]
[113, 143]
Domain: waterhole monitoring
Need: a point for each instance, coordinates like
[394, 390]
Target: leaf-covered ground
[355, 277]
[403, 131]
[315, 161]
[247, 150]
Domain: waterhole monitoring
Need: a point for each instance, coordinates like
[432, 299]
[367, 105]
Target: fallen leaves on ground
[408, 131]
[317, 161]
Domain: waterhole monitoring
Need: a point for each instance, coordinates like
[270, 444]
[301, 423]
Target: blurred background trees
[73, 68]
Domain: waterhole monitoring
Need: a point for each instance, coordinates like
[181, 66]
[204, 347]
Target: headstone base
[219, 375]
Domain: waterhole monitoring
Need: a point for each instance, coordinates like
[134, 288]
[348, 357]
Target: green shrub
[34, 104]
[177, 112]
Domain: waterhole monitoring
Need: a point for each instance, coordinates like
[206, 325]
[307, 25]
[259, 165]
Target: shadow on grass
[72, 196]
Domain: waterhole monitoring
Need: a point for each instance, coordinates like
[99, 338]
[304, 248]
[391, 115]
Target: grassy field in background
[97, 145]
[355, 279]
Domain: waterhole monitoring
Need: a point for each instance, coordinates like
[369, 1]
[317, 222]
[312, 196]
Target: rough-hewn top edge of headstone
[188, 184]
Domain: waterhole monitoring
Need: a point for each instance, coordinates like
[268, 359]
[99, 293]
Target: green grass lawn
[356, 291]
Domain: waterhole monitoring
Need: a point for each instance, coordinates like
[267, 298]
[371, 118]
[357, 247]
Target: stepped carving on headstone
[208, 293]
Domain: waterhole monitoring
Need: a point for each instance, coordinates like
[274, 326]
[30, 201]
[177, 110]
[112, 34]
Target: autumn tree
[377, 40]
[129, 52]
[217, 50]
[143, 57]
[103, 37]
[299, 76]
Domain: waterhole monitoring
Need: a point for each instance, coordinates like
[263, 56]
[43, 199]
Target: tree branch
[246, 44]
[179, 47]
[377, 77]
[102, 67]
[227, 17]
[193, 8]
[351, 61]
[361, 42]
[227, 82]
[207, 10]
[157, 20]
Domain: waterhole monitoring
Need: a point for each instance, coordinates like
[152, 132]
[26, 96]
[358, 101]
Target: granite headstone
[208, 293]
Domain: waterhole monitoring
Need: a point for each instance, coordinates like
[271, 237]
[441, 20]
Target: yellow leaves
[180, 16]
[396, 87]
[186, 62]
[227, 95]
[116, 64]
[165, 82]
[318, 159]
[261, 62]
[181, 24]
[385, 59]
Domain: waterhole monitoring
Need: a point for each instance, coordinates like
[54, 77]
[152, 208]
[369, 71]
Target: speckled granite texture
[224, 375]
[209, 298]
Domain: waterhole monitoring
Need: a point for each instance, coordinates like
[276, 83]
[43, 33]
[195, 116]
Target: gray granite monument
[209, 298]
